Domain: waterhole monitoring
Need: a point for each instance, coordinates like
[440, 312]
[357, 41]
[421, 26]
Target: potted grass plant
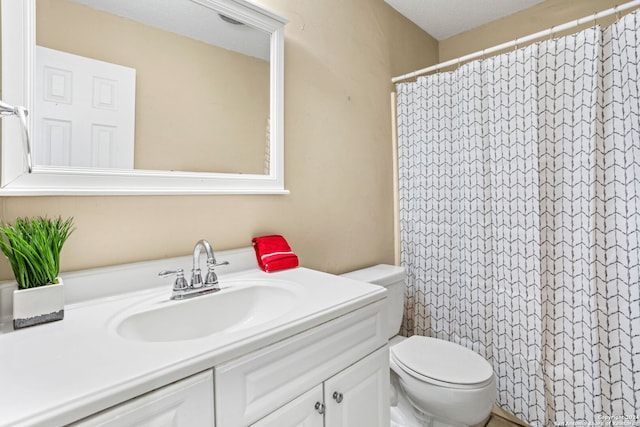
[33, 246]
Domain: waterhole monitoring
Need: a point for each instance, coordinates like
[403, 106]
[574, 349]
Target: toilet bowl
[434, 382]
[444, 381]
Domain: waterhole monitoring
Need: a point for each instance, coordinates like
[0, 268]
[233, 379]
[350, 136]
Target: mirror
[145, 97]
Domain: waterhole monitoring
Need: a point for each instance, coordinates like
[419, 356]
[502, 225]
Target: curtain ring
[515, 45]
[595, 19]
[617, 12]
[551, 33]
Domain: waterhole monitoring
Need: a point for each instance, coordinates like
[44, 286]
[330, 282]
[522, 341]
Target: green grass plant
[33, 246]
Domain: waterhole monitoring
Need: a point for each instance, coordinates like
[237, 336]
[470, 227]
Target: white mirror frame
[18, 89]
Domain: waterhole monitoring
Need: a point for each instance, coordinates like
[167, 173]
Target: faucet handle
[211, 277]
[218, 264]
[181, 283]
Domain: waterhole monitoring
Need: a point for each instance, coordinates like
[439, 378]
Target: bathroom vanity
[269, 349]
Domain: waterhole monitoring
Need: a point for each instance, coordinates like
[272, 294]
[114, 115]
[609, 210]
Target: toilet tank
[392, 278]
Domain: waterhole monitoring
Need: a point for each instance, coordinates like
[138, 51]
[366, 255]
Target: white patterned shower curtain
[520, 221]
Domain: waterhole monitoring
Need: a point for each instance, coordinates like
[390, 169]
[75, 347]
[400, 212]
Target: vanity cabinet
[287, 383]
[188, 402]
[284, 343]
[357, 396]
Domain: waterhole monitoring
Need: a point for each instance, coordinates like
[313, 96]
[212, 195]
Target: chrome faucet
[211, 279]
[183, 289]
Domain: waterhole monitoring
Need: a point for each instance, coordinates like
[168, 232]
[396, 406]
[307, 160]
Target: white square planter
[34, 306]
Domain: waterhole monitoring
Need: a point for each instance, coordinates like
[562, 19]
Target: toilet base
[403, 413]
[403, 417]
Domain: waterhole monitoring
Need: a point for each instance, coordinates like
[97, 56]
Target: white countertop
[59, 372]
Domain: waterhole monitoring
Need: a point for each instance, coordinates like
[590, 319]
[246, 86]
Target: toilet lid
[442, 361]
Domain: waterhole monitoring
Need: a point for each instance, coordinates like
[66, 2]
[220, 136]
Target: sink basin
[235, 307]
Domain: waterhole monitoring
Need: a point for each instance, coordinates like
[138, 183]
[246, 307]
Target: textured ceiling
[445, 18]
[190, 19]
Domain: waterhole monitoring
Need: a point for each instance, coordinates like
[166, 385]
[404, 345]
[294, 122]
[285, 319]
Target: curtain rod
[520, 40]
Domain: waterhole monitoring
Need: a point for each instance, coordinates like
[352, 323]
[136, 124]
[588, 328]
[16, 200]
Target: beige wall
[537, 18]
[339, 59]
[340, 56]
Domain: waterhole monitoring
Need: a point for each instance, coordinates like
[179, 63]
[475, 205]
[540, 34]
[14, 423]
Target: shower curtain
[520, 221]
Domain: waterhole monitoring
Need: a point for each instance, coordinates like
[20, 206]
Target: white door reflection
[84, 112]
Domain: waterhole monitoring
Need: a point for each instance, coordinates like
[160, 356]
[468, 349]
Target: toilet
[434, 383]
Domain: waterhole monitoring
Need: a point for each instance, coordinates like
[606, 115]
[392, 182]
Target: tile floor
[500, 418]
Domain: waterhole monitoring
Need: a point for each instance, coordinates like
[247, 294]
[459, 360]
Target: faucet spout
[196, 273]
[211, 279]
[196, 252]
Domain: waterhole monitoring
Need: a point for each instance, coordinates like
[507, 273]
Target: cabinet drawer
[250, 387]
[188, 402]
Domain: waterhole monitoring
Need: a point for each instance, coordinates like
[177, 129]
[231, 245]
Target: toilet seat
[442, 362]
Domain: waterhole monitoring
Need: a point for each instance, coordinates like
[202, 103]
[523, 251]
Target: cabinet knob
[337, 396]
[320, 407]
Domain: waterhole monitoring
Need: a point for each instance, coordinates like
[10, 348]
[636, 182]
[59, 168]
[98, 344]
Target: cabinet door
[304, 411]
[359, 395]
[186, 403]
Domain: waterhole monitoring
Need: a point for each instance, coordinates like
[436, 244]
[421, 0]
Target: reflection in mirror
[150, 85]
